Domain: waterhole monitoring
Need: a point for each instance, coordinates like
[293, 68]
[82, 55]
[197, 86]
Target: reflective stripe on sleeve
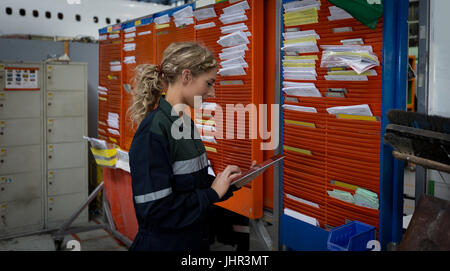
[153, 196]
[191, 165]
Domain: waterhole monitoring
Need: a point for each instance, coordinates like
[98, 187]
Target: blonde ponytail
[146, 92]
[150, 80]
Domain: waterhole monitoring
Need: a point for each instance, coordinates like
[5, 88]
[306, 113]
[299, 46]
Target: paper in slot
[129, 60]
[234, 18]
[162, 19]
[233, 28]
[308, 219]
[307, 202]
[113, 131]
[346, 78]
[129, 35]
[291, 75]
[338, 14]
[305, 61]
[97, 143]
[209, 106]
[209, 139]
[144, 33]
[235, 70]
[204, 14]
[308, 90]
[233, 39]
[358, 110]
[127, 47]
[115, 68]
[129, 29]
[234, 61]
[300, 34]
[208, 128]
[101, 88]
[242, 47]
[304, 47]
[204, 26]
[299, 108]
[236, 8]
[183, 13]
[231, 55]
[114, 36]
[183, 21]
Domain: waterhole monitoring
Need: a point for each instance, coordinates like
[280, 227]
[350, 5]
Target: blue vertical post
[400, 103]
[395, 47]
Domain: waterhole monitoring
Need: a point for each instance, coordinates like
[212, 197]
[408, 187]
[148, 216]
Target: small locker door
[20, 159]
[16, 132]
[66, 181]
[21, 186]
[65, 104]
[66, 77]
[21, 213]
[65, 129]
[20, 104]
[66, 155]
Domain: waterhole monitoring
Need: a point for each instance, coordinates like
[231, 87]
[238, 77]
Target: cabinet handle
[1, 105]
[49, 77]
[2, 189]
[49, 157]
[50, 209]
[1, 133]
[1, 161]
[50, 183]
[49, 130]
[49, 104]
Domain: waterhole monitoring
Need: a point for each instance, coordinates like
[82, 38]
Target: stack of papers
[302, 15]
[359, 58]
[341, 195]
[301, 90]
[366, 198]
[358, 110]
[204, 14]
[233, 39]
[129, 60]
[102, 90]
[338, 14]
[235, 13]
[302, 217]
[204, 26]
[115, 66]
[183, 16]
[164, 19]
[299, 108]
[113, 120]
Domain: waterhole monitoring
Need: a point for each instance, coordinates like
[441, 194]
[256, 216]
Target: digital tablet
[251, 174]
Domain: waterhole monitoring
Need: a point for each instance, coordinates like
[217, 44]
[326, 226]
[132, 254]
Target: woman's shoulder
[155, 122]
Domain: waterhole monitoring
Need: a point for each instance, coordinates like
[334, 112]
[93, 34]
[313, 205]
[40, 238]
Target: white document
[130, 29]
[346, 78]
[299, 108]
[208, 128]
[302, 217]
[235, 70]
[358, 110]
[204, 26]
[239, 7]
[204, 13]
[296, 84]
[113, 124]
[311, 61]
[304, 47]
[112, 115]
[338, 14]
[127, 47]
[183, 21]
[231, 55]
[115, 68]
[233, 39]
[209, 106]
[300, 34]
[299, 76]
[129, 35]
[209, 139]
[289, 196]
[183, 13]
[129, 60]
[114, 132]
[347, 48]
[114, 36]
[242, 47]
[234, 18]
[306, 91]
[162, 19]
[233, 28]
[100, 88]
[97, 143]
[234, 61]
[144, 33]
[309, 70]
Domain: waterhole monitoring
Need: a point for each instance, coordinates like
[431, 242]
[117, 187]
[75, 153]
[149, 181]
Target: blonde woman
[172, 190]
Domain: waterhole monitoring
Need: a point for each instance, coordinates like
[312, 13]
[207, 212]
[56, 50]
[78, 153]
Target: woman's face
[201, 85]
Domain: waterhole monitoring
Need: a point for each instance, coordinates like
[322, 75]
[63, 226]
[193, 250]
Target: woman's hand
[224, 178]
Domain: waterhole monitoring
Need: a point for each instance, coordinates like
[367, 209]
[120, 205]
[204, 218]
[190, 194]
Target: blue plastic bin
[352, 236]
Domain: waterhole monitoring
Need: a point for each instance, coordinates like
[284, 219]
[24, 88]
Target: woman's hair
[150, 80]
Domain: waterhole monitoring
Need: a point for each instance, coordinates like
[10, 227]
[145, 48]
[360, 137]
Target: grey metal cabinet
[43, 156]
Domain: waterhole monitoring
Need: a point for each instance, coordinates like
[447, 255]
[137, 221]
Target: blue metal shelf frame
[298, 235]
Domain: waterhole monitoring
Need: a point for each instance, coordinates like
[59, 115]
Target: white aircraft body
[68, 18]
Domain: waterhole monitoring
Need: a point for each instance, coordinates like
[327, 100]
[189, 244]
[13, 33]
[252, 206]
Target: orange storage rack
[321, 148]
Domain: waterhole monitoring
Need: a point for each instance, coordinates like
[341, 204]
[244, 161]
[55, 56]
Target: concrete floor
[100, 240]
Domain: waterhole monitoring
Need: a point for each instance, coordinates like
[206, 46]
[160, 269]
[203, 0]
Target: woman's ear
[186, 76]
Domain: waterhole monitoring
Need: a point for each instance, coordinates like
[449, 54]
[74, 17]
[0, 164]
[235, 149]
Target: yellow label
[102, 99]
[113, 140]
[345, 185]
[3, 178]
[109, 29]
[107, 153]
[299, 65]
[49, 68]
[2, 122]
[2, 94]
[3, 150]
[50, 121]
[355, 117]
[50, 94]
[138, 22]
[315, 57]
[300, 123]
[301, 40]
[129, 40]
[289, 148]
[211, 149]
[161, 26]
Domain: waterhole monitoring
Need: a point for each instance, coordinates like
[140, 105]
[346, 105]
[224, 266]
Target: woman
[172, 190]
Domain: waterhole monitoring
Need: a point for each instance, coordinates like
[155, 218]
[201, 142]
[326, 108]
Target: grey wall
[38, 50]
